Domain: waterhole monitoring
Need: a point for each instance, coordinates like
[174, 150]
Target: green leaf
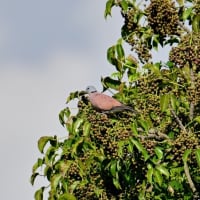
[196, 23]
[63, 166]
[187, 13]
[164, 102]
[33, 176]
[163, 170]
[48, 172]
[158, 177]
[50, 155]
[111, 83]
[159, 152]
[109, 5]
[197, 119]
[155, 42]
[155, 68]
[186, 154]
[197, 153]
[86, 128]
[120, 51]
[113, 168]
[39, 194]
[74, 185]
[39, 163]
[65, 113]
[140, 148]
[116, 183]
[180, 2]
[74, 95]
[149, 173]
[55, 181]
[111, 55]
[134, 128]
[77, 125]
[174, 102]
[124, 5]
[43, 141]
[67, 196]
[74, 149]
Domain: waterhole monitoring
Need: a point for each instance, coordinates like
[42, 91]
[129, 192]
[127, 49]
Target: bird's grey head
[90, 89]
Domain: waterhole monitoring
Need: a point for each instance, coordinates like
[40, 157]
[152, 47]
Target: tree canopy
[151, 154]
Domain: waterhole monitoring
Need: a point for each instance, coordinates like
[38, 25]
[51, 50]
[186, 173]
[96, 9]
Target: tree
[154, 154]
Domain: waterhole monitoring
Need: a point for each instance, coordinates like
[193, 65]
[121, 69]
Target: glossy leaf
[109, 5]
[158, 177]
[65, 113]
[116, 183]
[174, 102]
[48, 172]
[77, 125]
[111, 57]
[43, 141]
[134, 128]
[186, 154]
[163, 170]
[140, 148]
[111, 83]
[159, 152]
[124, 5]
[38, 164]
[75, 146]
[149, 173]
[197, 153]
[50, 155]
[196, 23]
[39, 194]
[63, 166]
[67, 196]
[55, 181]
[120, 51]
[74, 95]
[164, 102]
[197, 119]
[187, 12]
[113, 168]
[33, 176]
[86, 128]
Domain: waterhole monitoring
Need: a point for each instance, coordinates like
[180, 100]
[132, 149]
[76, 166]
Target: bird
[103, 102]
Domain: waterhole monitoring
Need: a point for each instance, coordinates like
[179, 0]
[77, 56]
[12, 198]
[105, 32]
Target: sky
[48, 49]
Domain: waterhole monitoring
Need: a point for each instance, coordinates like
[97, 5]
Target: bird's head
[90, 89]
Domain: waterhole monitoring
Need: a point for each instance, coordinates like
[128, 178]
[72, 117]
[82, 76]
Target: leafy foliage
[154, 154]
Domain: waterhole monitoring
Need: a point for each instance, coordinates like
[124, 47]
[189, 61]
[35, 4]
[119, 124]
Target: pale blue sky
[48, 48]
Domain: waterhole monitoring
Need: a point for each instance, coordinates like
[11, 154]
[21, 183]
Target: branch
[154, 134]
[178, 120]
[187, 173]
[191, 104]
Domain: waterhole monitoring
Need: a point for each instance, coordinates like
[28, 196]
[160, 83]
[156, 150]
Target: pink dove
[104, 102]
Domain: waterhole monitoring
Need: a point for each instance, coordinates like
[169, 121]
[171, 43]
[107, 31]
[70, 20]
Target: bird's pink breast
[102, 101]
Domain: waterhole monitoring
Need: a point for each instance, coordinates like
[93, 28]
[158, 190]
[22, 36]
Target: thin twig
[187, 173]
[178, 120]
[192, 104]
[153, 136]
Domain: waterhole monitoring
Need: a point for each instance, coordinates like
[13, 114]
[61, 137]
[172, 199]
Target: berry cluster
[163, 17]
[187, 52]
